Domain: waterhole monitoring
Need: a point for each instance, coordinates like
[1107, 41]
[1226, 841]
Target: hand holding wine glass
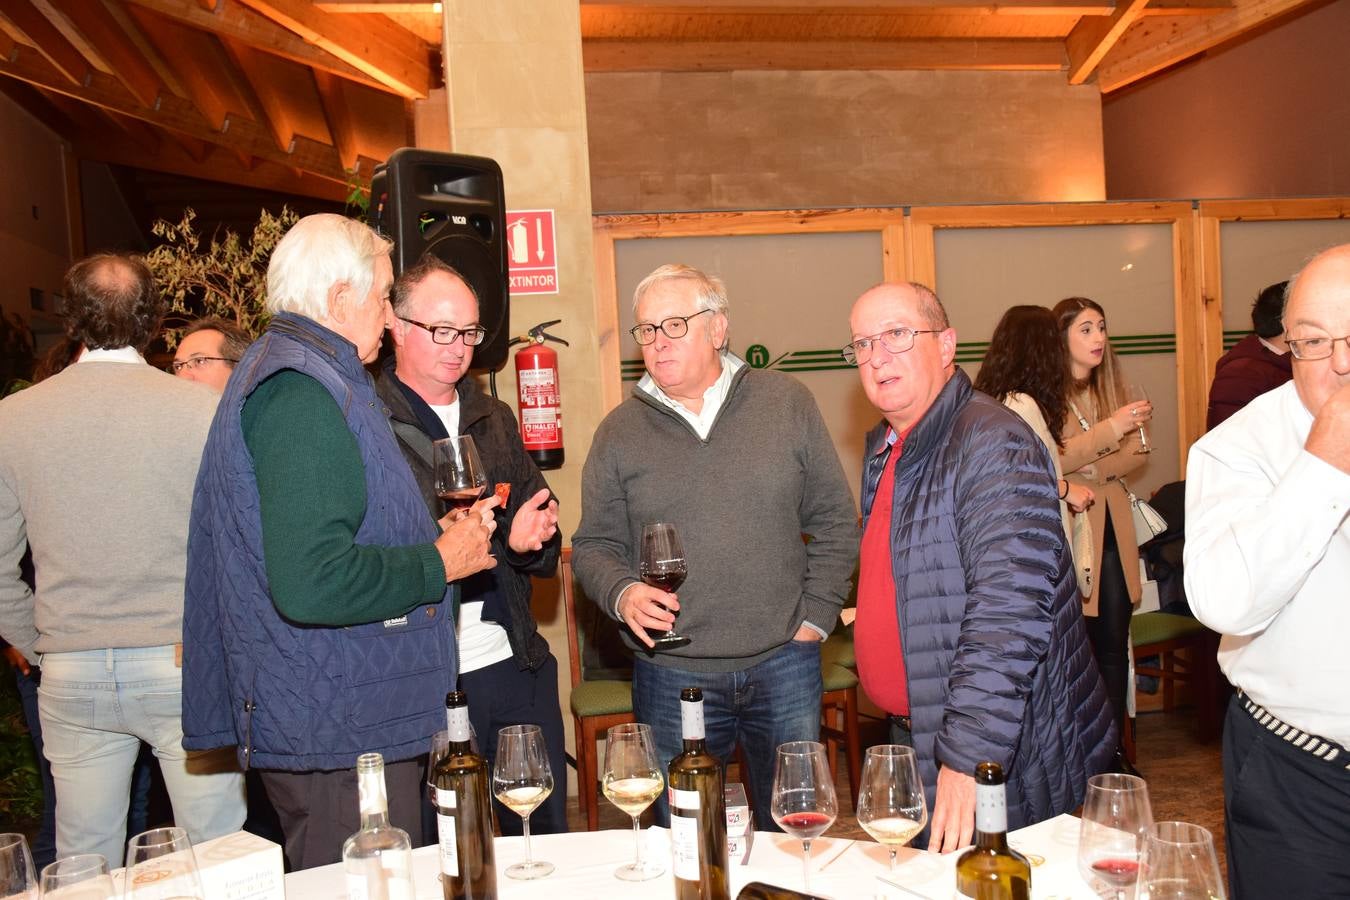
[521, 780]
[1137, 394]
[804, 802]
[663, 566]
[891, 806]
[1116, 815]
[632, 780]
[459, 476]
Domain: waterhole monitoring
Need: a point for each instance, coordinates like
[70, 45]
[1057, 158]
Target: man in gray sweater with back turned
[97, 465]
[738, 459]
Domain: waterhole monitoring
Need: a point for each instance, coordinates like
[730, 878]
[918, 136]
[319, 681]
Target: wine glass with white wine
[521, 780]
[632, 780]
[891, 806]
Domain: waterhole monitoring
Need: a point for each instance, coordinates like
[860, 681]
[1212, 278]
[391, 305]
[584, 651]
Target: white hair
[318, 252]
[712, 293]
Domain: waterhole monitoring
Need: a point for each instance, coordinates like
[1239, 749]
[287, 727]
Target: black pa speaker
[455, 207]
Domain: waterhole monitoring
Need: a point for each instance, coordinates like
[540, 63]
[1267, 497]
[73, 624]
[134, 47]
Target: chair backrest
[595, 649]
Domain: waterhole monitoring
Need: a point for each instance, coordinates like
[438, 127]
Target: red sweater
[876, 635]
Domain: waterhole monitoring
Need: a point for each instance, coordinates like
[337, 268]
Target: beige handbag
[1084, 559]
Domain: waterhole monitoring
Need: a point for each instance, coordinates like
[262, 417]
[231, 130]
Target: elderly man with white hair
[319, 621]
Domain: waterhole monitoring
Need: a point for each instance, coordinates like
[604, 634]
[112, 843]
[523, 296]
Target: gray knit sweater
[741, 500]
[97, 465]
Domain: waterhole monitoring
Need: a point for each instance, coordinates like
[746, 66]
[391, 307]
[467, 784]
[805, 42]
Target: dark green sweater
[312, 486]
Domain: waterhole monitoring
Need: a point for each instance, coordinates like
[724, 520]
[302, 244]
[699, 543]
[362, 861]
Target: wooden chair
[1163, 635]
[596, 703]
[839, 707]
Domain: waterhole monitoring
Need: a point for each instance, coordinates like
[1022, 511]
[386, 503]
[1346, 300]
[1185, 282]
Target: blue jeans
[771, 703]
[96, 708]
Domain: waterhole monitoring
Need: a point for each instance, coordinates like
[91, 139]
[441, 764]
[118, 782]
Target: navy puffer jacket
[997, 658]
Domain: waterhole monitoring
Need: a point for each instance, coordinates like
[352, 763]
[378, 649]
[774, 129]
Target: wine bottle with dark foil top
[464, 812]
[991, 870]
[698, 811]
[758, 890]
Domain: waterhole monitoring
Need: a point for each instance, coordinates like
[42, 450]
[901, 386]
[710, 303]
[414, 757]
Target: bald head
[903, 383]
[112, 301]
[1319, 307]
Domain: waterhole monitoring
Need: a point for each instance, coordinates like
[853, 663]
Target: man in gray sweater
[739, 460]
[97, 465]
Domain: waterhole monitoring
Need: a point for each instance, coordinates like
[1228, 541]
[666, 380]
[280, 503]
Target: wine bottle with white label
[377, 860]
[463, 812]
[698, 814]
[991, 870]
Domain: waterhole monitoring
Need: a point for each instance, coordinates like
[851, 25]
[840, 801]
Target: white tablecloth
[842, 869]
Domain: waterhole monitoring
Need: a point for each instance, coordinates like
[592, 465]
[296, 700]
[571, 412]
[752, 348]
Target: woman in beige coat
[1100, 444]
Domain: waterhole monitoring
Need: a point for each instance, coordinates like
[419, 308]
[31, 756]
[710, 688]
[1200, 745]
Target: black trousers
[1109, 630]
[500, 695]
[1286, 814]
[319, 810]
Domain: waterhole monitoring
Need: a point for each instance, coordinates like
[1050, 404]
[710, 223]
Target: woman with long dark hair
[1101, 442]
[1026, 369]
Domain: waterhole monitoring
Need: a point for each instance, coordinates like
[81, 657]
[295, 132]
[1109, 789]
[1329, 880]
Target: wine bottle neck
[991, 814]
[374, 803]
[697, 745]
[991, 840]
[691, 722]
[457, 725]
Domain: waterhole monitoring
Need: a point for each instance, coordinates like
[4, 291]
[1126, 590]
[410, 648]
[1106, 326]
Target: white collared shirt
[1267, 561]
[713, 397]
[1271, 347]
[117, 354]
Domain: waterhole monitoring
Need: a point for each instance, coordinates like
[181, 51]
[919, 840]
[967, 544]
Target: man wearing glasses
[970, 630]
[1267, 565]
[208, 350]
[739, 460]
[505, 665]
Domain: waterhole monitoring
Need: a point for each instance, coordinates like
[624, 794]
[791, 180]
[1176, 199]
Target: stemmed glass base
[669, 639]
[525, 871]
[638, 872]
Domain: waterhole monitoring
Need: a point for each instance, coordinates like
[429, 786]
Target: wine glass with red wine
[804, 802]
[1116, 816]
[459, 474]
[663, 566]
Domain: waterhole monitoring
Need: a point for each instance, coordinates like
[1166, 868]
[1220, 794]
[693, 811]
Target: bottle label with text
[684, 846]
[991, 809]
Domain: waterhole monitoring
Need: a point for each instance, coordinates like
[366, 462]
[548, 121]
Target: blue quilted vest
[298, 697]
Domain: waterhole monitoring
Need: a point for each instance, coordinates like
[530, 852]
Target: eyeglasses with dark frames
[446, 334]
[1315, 347]
[195, 362]
[674, 328]
[895, 340]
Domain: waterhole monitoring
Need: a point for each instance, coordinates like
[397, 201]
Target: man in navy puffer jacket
[970, 630]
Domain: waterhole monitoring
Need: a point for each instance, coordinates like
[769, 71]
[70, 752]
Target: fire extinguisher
[538, 393]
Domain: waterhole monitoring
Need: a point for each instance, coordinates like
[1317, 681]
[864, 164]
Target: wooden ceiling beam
[267, 109]
[390, 54]
[199, 62]
[42, 107]
[64, 56]
[145, 137]
[1187, 7]
[379, 6]
[1157, 42]
[1092, 37]
[92, 19]
[723, 56]
[173, 112]
[248, 27]
[338, 113]
[856, 7]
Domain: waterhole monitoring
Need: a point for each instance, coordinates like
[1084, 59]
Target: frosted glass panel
[790, 297]
[1126, 268]
[1257, 254]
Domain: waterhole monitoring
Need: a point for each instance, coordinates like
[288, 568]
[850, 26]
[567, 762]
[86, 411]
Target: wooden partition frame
[908, 247]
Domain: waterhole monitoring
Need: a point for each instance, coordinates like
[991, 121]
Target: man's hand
[465, 543]
[1079, 497]
[1329, 439]
[642, 606]
[17, 660]
[807, 633]
[953, 824]
[534, 524]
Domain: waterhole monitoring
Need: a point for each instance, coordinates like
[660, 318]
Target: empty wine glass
[521, 780]
[1136, 393]
[17, 878]
[1116, 815]
[663, 566]
[459, 475]
[160, 866]
[82, 877]
[632, 780]
[891, 805]
[1179, 863]
[804, 803]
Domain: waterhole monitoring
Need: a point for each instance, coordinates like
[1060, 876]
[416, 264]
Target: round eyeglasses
[895, 340]
[674, 328]
[446, 334]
